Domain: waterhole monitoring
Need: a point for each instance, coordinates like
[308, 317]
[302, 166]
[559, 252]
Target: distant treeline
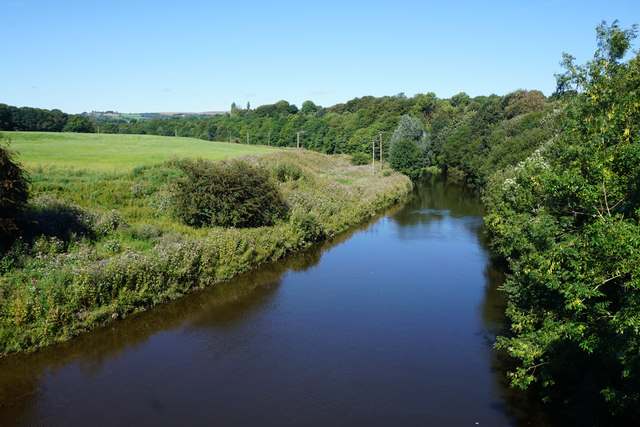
[476, 136]
[37, 119]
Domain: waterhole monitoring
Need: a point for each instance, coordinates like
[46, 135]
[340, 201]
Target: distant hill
[114, 115]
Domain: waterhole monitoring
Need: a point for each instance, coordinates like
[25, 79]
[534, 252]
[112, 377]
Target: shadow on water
[221, 304]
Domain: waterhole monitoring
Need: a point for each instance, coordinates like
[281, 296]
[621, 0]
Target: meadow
[101, 240]
[108, 152]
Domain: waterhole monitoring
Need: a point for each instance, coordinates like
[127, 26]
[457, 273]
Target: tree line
[472, 136]
[38, 119]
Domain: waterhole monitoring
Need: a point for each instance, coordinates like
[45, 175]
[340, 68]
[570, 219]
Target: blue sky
[145, 56]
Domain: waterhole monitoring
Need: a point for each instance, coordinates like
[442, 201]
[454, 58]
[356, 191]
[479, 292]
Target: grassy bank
[103, 243]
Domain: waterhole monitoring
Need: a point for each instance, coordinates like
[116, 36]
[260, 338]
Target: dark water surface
[390, 324]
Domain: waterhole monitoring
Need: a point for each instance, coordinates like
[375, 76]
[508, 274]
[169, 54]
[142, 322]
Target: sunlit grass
[106, 152]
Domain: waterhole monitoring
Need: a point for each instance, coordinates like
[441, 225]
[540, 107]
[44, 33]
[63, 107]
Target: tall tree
[568, 221]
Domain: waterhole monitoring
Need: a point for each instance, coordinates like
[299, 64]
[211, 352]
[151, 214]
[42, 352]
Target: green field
[116, 152]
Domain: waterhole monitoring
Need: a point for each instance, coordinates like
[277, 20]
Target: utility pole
[381, 164]
[247, 137]
[269, 140]
[373, 155]
[298, 138]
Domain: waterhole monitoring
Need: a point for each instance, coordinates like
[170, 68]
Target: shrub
[227, 194]
[55, 217]
[108, 222]
[360, 159]
[308, 227]
[14, 192]
[288, 172]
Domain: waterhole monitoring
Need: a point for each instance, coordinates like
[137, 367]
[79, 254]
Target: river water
[389, 324]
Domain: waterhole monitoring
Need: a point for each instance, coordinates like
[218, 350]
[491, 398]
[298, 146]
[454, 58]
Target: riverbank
[109, 246]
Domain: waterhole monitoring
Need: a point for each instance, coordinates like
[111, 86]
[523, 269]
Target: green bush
[227, 194]
[307, 225]
[53, 217]
[288, 172]
[360, 159]
[14, 192]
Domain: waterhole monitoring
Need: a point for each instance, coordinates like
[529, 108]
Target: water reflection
[226, 303]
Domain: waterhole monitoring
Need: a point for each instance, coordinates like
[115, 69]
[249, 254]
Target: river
[391, 323]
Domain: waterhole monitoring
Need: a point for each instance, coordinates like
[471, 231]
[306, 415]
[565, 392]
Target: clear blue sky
[146, 56]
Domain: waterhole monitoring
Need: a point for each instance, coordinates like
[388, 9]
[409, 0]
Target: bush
[58, 218]
[307, 225]
[288, 172]
[227, 194]
[14, 192]
[360, 159]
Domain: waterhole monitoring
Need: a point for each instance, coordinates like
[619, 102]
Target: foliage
[53, 217]
[409, 129]
[79, 123]
[406, 158]
[567, 220]
[523, 102]
[227, 194]
[360, 158]
[307, 225]
[288, 172]
[14, 192]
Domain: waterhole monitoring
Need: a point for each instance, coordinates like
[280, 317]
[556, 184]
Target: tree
[308, 107]
[409, 128]
[425, 105]
[79, 123]
[406, 150]
[14, 192]
[567, 220]
[460, 100]
[523, 102]
[405, 157]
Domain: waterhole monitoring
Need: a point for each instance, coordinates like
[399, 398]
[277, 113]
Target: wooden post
[247, 137]
[298, 136]
[381, 151]
[269, 140]
[373, 155]
[381, 164]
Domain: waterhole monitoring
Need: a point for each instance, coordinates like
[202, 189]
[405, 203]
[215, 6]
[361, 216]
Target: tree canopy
[567, 220]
